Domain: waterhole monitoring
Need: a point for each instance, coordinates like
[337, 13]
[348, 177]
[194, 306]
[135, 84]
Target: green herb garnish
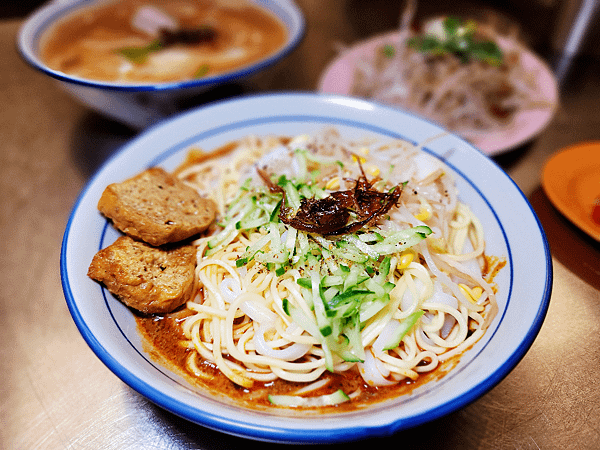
[168, 38]
[139, 55]
[388, 51]
[460, 40]
[201, 71]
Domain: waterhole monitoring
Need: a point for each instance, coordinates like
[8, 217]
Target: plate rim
[548, 182]
[296, 435]
[493, 151]
[30, 33]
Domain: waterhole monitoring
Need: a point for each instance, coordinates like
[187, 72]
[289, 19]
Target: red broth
[86, 43]
[164, 341]
[163, 338]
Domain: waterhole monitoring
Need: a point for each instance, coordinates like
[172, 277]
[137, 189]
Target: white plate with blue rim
[142, 104]
[512, 232]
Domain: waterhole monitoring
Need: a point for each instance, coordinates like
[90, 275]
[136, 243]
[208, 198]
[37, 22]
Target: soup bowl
[512, 231]
[142, 104]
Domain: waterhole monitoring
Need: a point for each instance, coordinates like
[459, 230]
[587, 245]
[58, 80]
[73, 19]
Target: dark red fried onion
[187, 36]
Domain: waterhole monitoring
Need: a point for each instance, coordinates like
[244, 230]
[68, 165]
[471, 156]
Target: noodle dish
[139, 61]
[299, 272]
[460, 73]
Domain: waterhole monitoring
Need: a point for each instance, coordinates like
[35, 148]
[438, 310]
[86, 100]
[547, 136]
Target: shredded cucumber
[344, 279]
[403, 328]
[295, 401]
[292, 196]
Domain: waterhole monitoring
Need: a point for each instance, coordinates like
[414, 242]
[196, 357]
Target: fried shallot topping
[342, 212]
[187, 36]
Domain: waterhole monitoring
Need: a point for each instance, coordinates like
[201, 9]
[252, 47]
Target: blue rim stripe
[292, 18]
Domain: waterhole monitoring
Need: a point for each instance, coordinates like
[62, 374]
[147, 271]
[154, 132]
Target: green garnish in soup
[139, 55]
[454, 36]
[168, 38]
[154, 41]
[202, 71]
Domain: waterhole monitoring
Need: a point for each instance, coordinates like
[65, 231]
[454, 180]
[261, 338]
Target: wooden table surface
[55, 393]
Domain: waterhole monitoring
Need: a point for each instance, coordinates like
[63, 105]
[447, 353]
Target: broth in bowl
[148, 42]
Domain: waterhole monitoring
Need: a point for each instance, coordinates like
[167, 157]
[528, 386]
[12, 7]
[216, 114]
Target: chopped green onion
[326, 330]
[201, 71]
[285, 305]
[343, 280]
[388, 51]
[460, 40]
[139, 55]
[304, 282]
[241, 262]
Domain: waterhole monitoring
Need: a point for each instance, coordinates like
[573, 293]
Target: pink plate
[337, 79]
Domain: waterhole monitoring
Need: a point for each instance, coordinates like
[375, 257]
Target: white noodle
[239, 320]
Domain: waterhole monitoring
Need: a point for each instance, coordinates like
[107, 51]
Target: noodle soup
[299, 309]
[106, 43]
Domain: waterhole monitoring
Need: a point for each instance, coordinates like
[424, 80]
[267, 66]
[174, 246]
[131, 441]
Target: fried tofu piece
[146, 278]
[156, 207]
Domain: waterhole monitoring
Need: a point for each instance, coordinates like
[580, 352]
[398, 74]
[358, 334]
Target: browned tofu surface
[156, 207]
[148, 279]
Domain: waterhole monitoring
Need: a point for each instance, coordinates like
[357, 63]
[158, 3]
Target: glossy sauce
[165, 342]
[86, 43]
[163, 337]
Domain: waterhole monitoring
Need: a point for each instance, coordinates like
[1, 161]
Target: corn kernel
[424, 214]
[373, 171]
[477, 292]
[405, 259]
[332, 184]
[362, 159]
